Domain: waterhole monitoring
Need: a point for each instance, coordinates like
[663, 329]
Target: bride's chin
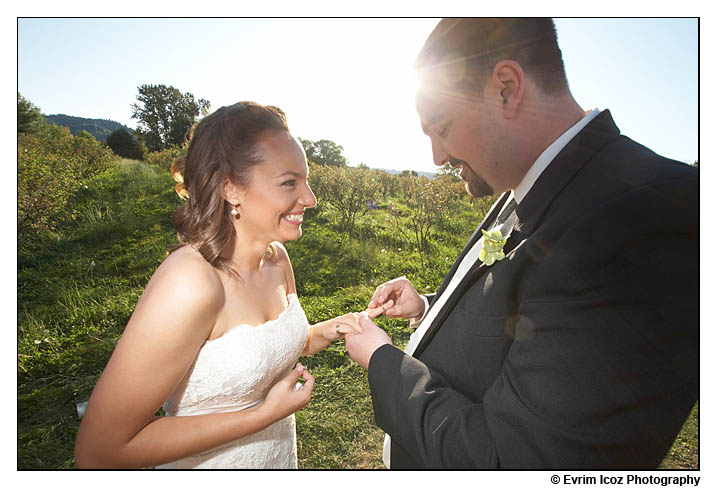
[290, 236]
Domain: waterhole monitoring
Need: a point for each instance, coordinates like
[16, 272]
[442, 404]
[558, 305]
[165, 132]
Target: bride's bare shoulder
[187, 273]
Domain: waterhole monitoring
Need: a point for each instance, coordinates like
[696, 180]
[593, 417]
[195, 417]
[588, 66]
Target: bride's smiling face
[272, 204]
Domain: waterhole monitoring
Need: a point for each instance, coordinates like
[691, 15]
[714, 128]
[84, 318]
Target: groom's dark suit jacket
[579, 349]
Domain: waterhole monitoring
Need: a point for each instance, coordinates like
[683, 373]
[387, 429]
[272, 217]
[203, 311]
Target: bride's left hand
[336, 328]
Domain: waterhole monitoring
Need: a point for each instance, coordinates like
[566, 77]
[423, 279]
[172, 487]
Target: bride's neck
[246, 255]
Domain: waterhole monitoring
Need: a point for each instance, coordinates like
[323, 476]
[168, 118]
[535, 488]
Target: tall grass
[79, 283]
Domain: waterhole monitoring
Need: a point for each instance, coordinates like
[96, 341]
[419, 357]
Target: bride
[218, 328]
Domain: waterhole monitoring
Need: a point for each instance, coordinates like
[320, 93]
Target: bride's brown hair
[222, 146]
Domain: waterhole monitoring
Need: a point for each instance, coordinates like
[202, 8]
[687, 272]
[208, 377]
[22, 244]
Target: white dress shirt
[521, 190]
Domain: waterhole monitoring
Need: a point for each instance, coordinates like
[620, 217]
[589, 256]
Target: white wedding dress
[235, 372]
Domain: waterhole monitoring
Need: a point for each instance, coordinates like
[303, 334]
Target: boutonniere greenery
[492, 249]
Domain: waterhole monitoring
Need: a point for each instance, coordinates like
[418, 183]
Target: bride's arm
[322, 334]
[172, 320]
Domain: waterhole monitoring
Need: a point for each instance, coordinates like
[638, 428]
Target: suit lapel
[489, 219]
[476, 270]
[527, 215]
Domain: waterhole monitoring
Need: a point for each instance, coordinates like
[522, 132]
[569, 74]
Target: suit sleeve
[602, 370]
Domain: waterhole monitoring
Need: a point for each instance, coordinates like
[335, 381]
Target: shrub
[51, 166]
[427, 202]
[165, 157]
[348, 190]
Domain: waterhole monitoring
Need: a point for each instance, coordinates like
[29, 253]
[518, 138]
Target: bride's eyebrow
[291, 173]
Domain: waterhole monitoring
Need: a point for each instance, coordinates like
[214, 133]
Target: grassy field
[78, 286]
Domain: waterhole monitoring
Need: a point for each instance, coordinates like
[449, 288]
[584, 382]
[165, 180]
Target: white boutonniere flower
[492, 249]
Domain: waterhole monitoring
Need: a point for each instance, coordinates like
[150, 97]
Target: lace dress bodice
[235, 372]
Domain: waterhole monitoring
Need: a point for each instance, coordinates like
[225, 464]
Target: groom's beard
[475, 185]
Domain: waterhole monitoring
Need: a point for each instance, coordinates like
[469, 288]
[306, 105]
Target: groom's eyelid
[437, 127]
[430, 125]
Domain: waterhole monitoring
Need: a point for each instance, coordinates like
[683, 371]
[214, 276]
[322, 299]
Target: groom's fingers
[377, 298]
[395, 311]
[381, 294]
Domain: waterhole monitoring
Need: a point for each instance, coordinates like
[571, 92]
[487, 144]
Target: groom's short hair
[466, 51]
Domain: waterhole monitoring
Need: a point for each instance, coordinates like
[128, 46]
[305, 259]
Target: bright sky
[348, 80]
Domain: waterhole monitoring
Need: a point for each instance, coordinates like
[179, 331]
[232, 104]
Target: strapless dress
[235, 372]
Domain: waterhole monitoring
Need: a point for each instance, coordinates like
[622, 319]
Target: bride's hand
[374, 312]
[285, 398]
[336, 328]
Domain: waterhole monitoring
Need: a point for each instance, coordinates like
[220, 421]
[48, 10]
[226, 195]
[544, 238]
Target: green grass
[683, 454]
[78, 285]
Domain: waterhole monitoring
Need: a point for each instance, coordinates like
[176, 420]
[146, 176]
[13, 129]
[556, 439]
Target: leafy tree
[29, 117]
[122, 143]
[165, 115]
[324, 152]
[408, 173]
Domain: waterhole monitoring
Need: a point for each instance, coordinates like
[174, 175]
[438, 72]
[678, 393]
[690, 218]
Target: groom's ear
[506, 87]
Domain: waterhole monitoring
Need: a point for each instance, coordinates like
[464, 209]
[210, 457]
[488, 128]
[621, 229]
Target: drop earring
[235, 211]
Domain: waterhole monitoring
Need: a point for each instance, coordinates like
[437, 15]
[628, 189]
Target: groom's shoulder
[631, 161]
[625, 169]
[620, 181]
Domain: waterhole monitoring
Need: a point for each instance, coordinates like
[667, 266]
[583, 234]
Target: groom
[578, 349]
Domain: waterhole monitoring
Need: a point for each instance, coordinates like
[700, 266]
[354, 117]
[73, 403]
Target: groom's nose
[439, 153]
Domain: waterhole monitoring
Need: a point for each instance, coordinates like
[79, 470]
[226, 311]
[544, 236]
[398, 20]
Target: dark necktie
[505, 213]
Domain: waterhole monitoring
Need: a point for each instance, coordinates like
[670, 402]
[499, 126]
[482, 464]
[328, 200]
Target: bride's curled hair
[222, 146]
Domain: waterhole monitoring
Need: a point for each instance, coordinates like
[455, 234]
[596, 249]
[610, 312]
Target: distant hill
[99, 128]
[398, 172]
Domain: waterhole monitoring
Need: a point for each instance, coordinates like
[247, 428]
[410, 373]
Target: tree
[165, 115]
[29, 117]
[122, 143]
[324, 152]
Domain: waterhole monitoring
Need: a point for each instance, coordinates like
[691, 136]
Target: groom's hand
[399, 298]
[362, 346]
